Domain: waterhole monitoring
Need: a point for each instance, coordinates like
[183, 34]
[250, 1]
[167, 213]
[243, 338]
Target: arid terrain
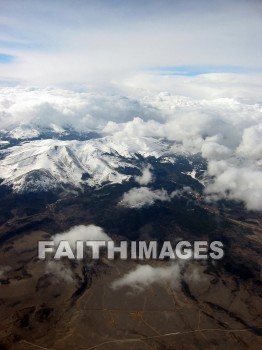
[208, 306]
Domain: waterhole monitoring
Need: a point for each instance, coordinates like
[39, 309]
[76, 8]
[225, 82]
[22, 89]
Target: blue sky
[56, 42]
[5, 58]
[191, 70]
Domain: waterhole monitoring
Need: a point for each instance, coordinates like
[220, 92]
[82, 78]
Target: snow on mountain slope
[49, 164]
[23, 132]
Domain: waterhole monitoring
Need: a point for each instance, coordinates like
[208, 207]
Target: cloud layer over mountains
[225, 131]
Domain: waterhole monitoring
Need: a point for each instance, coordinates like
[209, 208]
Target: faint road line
[32, 344]
[165, 335]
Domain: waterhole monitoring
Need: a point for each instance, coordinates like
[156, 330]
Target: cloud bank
[225, 131]
[82, 110]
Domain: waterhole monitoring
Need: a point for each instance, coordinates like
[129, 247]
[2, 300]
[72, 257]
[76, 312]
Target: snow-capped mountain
[52, 164]
[24, 131]
[16, 133]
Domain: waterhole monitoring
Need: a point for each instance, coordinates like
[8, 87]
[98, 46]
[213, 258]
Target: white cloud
[251, 143]
[231, 87]
[240, 183]
[225, 131]
[146, 176]
[143, 196]
[212, 150]
[82, 233]
[83, 110]
[145, 275]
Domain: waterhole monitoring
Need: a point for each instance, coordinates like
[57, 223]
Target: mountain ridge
[76, 163]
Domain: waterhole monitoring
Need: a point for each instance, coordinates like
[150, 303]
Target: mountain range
[34, 159]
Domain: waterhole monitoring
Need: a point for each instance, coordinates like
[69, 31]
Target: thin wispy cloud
[191, 70]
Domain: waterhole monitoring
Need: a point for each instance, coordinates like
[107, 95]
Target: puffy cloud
[240, 183]
[146, 176]
[82, 233]
[212, 150]
[82, 110]
[251, 143]
[145, 275]
[224, 131]
[143, 196]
